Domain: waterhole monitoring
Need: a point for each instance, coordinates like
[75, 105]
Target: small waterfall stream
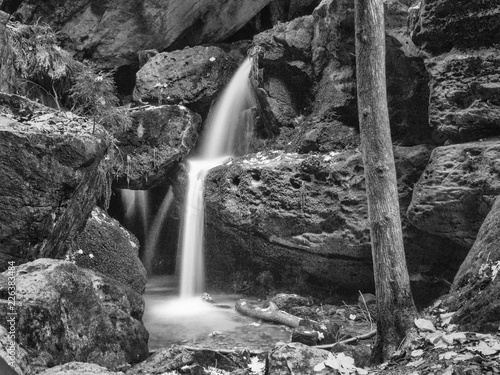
[226, 126]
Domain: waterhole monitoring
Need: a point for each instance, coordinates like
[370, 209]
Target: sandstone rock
[304, 219]
[79, 368]
[10, 349]
[150, 151]
[52, 178]
[476, 288]
[465, 94]
[67, 314]
[444, 24]
[193, 77]
[106, 247]
[112, 32]
[457, 190]
[296, 358]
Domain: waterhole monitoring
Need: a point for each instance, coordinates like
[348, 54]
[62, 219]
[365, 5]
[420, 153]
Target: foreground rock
[149, 152]
[113, 32]
[476, 288]
[79, 368]
[10, 349]
[296, 358]
[106, 247]
[52, 178]
[67, 314]
[457, 190]
[301, 221]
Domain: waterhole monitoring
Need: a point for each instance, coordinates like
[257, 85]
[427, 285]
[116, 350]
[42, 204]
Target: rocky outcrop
[106, 247]
[192, 77]
[476, 289]
[456, 190]
[444, 24]
[465, 94]
[306, 68]
[66, 313]
[10, 351]
[149, 152]
[304, 220]
[79, 368]
[52, 178]
[296, 358]
[112, 32]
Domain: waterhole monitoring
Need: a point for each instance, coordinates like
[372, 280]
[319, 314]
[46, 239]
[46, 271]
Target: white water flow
[225, 126]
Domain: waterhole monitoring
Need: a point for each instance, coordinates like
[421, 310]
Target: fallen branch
[348, 341]
[226, 351]
[269, 312]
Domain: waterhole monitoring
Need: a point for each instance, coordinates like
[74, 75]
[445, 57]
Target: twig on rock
[348, 341]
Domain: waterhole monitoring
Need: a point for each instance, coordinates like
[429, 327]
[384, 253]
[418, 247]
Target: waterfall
[226, 126]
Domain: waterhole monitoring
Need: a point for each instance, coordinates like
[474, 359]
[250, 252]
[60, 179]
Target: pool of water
[194, 322]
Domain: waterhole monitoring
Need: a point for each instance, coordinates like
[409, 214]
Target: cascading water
[226, 125]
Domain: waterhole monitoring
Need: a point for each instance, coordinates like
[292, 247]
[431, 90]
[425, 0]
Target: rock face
[306, 68]
[79, 368]
[150, 151]
[70, 314]
[304, 220]
[9, 347]
[476, 288]
[465, 94]
[192, 76]
[457, 190]
[443, 24]
[52, 178]
[113, 32]
[105, 246]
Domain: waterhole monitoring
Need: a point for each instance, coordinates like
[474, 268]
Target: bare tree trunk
[6, 64]
[396, 308]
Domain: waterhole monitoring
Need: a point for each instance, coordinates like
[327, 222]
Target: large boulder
[304, 220]
[444, 24]
[476, 289]
[66, 313]
[296, 358]
[464, 103]
[457, 190]
[149, 152]
[112, 32]
[10, 351]
[192, 77]
[106, 247]
[52, 177]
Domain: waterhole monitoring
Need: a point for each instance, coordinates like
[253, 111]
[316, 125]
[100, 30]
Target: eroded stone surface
[296, 358]
[51, 178]
[66, 313]
[457, 190]
[150, 151]
[464, 103]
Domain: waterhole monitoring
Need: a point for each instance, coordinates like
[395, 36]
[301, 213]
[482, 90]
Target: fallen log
[269, 311]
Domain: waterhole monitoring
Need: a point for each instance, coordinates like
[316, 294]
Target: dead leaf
[447, 355]
[417, 353]
[416, 363]
[256, 366]
[425, 325]
[463, 357]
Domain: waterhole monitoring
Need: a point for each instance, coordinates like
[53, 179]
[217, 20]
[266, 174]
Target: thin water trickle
[226, 126]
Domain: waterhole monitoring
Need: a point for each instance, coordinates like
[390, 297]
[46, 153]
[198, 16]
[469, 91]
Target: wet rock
[296, 358]
[304, 219]
[444, 24]
[112, 32]
[476, 288]
[465, 94]
[66, 314]
[53, 175]
[79, 368]
[286, 301]
[106, 247]
[149, 153]
[457, 190]
[192, 77]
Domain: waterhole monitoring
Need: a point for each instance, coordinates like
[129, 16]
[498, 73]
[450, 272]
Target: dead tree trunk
[6, 64]
[396, 308]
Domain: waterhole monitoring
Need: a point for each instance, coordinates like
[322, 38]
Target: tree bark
[6, 63]
[269, 312]
[395, 305]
